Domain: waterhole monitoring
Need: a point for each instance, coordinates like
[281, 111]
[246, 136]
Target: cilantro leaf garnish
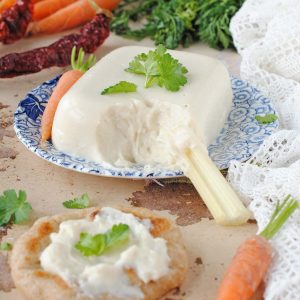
[14, 207]
[97, 244]
[78, 203]
[267, 119]
[121, 87]
[159, 67]
[90, 245]
[5, 246]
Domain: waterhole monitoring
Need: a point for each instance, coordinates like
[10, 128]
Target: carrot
[5, 4]
[66, 81]
[68, 17]
[71, 16]
[46, 8]
[253, 258]
[108, 4]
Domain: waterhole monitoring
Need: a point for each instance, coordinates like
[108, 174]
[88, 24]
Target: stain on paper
[3, 105]
[198, 261]
[6, 152]
[179, 198]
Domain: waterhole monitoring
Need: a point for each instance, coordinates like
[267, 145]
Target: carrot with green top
[253, 259]
[66, 81]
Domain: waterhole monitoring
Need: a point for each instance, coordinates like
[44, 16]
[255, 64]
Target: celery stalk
[219, 197]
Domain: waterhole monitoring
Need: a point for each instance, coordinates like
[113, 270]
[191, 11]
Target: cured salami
[15, 20]
[91, 36]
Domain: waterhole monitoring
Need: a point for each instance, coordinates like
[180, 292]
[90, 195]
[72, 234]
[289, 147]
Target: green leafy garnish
[78, 203]
[80, 64]
[280, 215]
[177, 22]
[267, 119]
[121, 87]
[97, 244]
[5, 246]
[159, 67]
[14, 207]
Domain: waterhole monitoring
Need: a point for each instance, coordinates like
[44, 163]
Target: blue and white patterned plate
[238, 140]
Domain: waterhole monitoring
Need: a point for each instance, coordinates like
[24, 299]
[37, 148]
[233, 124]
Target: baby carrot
[46, 8]
[64, 84]
[108, 4]
[253, 259]
[5, 4]
[68, 17]
[75, 14]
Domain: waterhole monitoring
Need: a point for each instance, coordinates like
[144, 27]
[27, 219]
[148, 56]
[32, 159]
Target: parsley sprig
[96, 245]
[267, 119]
[177, 22]
[120, 87]
[78, 203]
[14, 207]
[159, 67]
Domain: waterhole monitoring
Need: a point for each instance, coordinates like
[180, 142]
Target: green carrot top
[280, 215]
[79, 64]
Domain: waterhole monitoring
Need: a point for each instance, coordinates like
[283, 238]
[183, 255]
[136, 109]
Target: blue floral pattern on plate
[238, 140]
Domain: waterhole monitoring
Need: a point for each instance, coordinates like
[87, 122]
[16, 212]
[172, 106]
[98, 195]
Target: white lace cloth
[267, 35]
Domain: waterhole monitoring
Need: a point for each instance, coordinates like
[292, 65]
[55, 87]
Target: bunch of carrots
[50, 16]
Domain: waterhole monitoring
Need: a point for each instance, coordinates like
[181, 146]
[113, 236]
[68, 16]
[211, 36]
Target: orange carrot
[68, 17]
[5, 4]
[71, 16]
[46, 8]
[66, 81]
[108, 4]
[253, 259]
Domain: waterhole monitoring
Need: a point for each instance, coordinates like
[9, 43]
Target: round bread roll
[35, 283]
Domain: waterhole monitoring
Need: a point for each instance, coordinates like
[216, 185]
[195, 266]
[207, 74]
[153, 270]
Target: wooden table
[210, 246]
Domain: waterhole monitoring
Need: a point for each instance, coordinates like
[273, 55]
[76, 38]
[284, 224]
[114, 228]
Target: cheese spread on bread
[146, 255]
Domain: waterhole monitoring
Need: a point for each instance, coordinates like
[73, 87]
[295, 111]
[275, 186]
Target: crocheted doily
[267, 35]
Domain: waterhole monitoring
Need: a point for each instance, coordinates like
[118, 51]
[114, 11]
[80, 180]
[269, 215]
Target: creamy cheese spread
[149, 126]
[105, 274]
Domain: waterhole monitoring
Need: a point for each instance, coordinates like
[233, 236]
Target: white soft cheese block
[142, 127]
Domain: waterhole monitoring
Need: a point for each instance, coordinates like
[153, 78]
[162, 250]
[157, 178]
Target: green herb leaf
[97, 244]
[14, 207]
[267, 119]
[78, 203]
[90, 245]
[117, 235]
[159, 67]
[121, 87]
[5, 246]
[177, 22]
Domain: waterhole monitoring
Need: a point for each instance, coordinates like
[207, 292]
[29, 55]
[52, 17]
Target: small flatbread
[35, 283]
